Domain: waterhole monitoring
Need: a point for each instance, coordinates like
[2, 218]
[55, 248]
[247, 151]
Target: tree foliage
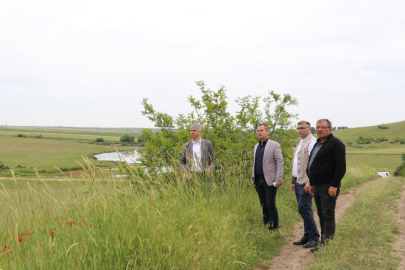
[233, 137]
[127, 138]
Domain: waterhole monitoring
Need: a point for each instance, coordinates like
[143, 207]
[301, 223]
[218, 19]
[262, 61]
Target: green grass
[44, 154]
[364, 236]
[74, 135]
[352, 134]
[159, 222]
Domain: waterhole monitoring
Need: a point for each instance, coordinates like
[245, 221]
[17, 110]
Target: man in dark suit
[198, 154]
[325, 170]
[267, 174]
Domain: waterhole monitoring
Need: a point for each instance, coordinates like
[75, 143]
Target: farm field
[45, 154]
[77, 135]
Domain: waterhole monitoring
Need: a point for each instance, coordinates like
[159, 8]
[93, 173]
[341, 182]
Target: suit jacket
[273, 163]
[207, 156]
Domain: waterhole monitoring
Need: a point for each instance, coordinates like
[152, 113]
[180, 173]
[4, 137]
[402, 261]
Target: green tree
[233, 137]
[127, 138]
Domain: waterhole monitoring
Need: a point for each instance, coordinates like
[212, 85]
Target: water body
[128, 156]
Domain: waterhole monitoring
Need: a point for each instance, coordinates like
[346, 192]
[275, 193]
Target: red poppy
[5, 246]
[52, 233]
[19, 239]
[26, 233]
[22, 234]
[71, 223]
[90, 225]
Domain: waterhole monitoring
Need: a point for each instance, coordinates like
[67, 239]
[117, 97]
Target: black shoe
[315, 249]
[303, 241]
[311, 243]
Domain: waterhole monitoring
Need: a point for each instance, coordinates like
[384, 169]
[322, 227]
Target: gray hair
[196, 126]
[308, 124]
[325, 120]
[266, 127]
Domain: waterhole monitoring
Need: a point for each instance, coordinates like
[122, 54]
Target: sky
[86, 63]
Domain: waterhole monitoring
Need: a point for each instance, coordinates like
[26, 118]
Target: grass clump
[364, 235]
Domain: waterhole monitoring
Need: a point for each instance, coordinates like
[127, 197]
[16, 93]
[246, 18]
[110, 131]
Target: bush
[127, 138]
[21, 135]
[383, 127]
[365, 140]
[38, 137]
[400, 171]
[99, 140]
[141, 138]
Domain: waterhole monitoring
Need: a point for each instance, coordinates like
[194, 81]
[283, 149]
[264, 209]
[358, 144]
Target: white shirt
[295, 162]
[197, 156]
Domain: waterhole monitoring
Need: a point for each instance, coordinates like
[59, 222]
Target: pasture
[45, 154]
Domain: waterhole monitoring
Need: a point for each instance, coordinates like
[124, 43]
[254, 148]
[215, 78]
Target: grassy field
[352, 134]
[159, 222]
[73, 135]
[364, 236]
[44, 154]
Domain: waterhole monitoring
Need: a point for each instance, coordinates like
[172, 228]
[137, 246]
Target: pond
[128, 156]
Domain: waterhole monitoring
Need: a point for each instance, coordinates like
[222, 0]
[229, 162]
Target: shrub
[21, 135]
[365, 140]
[382, 139]
[38, 137]
[400, 171]
[99, 140]
[127, 138]
[383, 127]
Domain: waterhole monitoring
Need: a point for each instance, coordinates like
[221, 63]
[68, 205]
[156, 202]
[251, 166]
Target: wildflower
[19, 239]
[52, 233]
[26, 233]
[22, 234]
[90, 225]
[71, 223]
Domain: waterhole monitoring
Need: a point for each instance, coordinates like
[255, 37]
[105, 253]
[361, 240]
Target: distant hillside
[395, 130]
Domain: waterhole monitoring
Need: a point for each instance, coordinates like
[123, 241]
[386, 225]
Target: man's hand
[292, 187]
[207, 170]
[332, 191]
[279, 183]
[253, 184]
[311, 191]
[186, 176]
[306, 188]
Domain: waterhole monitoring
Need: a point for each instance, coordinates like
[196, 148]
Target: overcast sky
[90, 63]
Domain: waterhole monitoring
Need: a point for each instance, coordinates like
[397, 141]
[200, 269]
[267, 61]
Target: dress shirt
[259, 158]
[197, 156]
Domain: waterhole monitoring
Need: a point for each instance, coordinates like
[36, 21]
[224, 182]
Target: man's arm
[278, 158]
[183, 159]
[339, 157]
[211, 154]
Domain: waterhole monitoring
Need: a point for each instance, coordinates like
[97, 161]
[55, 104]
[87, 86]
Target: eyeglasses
[322, 127]
[301, 128]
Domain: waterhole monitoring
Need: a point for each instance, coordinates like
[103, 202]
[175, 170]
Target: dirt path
[297, 257]
[399, 244]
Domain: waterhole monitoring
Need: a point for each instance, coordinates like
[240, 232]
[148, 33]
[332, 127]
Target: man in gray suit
[198, 154]
[268, 167]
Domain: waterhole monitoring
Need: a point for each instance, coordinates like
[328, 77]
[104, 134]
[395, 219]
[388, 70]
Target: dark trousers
[305, 209]
[267, 196]
[326, 205]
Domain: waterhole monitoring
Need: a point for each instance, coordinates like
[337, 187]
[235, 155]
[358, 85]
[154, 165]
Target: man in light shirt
[198, 154]
[300, 184]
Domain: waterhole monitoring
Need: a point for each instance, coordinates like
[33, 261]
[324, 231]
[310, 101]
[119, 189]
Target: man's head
[263, 131]
[195, 132]
[323, 128]
[304, 129]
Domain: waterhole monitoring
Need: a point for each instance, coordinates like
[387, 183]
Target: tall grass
[148, 221]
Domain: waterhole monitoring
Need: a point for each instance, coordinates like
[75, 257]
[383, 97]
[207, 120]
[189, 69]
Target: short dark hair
[266, 127]
[325, 120]
[304, 122]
